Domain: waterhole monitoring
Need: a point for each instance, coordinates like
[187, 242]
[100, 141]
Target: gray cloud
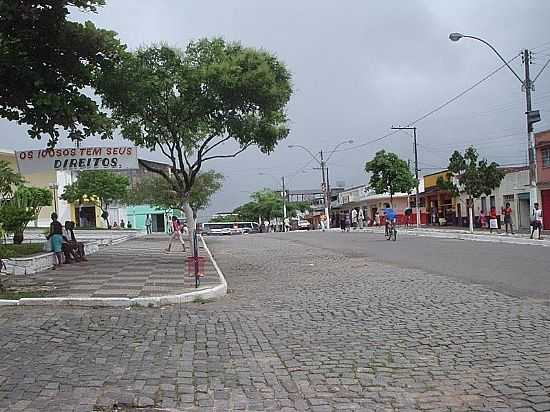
[360, 67]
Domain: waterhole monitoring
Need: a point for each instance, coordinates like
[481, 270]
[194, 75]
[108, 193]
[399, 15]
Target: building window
[484, 204]
[546, 157]
[493, 202]
[508, 198]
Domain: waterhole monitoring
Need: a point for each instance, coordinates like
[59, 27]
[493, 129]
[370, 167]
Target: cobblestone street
[303, 328]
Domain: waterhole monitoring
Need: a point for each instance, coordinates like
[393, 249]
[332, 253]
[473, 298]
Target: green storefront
[159, 217]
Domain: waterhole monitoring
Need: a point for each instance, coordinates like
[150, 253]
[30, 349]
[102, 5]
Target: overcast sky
[358, 68]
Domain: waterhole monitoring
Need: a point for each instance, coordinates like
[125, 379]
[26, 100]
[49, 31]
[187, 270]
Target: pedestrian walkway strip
[110, 298]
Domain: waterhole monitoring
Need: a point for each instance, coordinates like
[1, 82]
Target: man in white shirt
[536, 220]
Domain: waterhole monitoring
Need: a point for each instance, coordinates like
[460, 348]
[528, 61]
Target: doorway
[86, 216]
[545, 198]
[524, 207]
[158, 222]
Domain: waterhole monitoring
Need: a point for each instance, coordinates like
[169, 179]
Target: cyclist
[390, 215]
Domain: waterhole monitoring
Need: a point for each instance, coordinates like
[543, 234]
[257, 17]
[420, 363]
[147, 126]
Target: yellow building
[56, 182]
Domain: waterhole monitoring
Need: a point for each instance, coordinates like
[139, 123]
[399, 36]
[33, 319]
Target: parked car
[304, 225]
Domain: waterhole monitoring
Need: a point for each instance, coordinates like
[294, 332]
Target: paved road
[304, 328]
[519, 270]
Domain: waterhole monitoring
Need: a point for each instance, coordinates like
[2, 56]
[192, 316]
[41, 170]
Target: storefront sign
[85, 158]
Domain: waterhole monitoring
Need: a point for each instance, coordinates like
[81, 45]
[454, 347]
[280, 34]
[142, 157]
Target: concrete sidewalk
[137, 268]
[460, 234]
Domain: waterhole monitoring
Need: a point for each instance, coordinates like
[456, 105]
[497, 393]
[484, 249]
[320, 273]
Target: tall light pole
[416, 173]
[322, 163]
[527, 85]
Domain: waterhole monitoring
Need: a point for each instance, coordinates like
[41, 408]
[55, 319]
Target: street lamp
[322, 163]
[528, 85]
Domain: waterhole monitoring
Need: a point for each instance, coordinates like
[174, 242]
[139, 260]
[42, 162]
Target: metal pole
[329, 196]
[325, 189]
[417, 181]
[531, 153]
[284, 204]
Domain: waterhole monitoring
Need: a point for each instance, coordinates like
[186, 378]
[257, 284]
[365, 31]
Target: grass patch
[25, 249]
[13, 295]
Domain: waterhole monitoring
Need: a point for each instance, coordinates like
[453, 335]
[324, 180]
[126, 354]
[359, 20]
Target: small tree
[191, 104]
[47, 62]
[473, 177]
[8, 180]
[157, 192]
[390, 174]
[107, 187]
[23, 207]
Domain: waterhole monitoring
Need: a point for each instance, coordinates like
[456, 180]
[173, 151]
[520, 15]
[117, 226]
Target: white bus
[229, 228]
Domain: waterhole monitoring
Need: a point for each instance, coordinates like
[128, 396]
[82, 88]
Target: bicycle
[391, 231]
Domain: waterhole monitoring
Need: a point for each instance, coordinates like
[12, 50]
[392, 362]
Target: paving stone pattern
[135, 268]
[302, 329]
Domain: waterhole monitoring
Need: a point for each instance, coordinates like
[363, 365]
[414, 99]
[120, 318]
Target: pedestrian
[266, 224]
[348, 222]
[507, 212]
[342, 221]
[377, 218]
[176, 233]
[482, 218]
[122, 224]
[361, 218]
[493, 222]
[354, 218]
[287, 224]
[536, 220]
[56, 239]
[434, 215]
[323, 222]
[408, 213]
[148, 224]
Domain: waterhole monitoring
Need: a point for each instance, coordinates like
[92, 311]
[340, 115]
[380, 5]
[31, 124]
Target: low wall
[37, 263]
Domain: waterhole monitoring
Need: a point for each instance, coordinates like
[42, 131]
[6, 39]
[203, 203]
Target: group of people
[490, 220]
[63, 242]
[121, 225]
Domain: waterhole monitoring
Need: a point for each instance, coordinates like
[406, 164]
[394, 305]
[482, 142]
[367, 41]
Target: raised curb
[206, 293]
[467, 236]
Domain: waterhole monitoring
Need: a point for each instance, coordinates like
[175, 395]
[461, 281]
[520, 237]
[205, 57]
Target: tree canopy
[107, 187]
[389, 174]
[210, 101]
[157, 192]
[267, 204]
[474, 177]
[46, 64]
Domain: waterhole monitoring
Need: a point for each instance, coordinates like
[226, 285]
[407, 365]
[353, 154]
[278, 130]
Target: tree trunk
[18, 237]
[191, 225]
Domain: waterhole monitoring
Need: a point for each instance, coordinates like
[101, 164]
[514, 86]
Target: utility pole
[325, 191]
[417, 204]
[528, 87]
[284, 204]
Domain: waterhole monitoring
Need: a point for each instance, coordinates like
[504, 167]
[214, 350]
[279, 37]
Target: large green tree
[46, 63]
[468, 174]
[101, 185]
[389, 174]
[157, 192]
[212, 100]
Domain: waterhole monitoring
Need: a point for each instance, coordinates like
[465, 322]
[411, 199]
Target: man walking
[354, 219]
[148, 224]
[536, 220]
[361, 217]
[507, 212]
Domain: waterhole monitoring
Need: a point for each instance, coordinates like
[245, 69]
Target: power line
[438, 108]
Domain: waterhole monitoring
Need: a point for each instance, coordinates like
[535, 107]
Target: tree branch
[159, 172]
[228, 156]
[208, 149]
